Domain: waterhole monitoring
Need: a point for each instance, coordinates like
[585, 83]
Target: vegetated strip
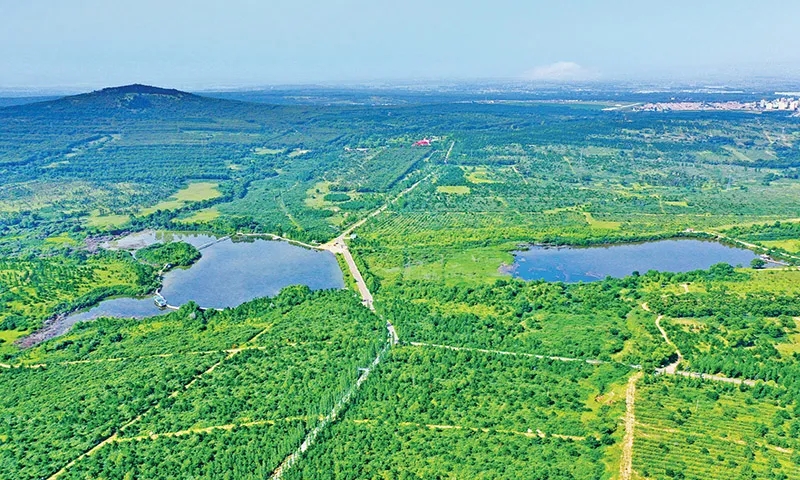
[520, 354]
[154, 355]
[229, 426]
[654, 428]
[529, 434]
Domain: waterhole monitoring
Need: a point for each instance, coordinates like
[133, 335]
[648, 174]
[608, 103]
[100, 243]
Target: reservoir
[229, 273]
[589, 264]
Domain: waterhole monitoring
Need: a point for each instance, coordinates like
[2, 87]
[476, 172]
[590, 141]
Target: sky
[200, 44]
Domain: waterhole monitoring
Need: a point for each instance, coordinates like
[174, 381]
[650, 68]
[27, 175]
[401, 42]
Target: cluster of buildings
[780, 104]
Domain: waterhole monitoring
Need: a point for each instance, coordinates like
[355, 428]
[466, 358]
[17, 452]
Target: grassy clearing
[790, 347]
[194, 192]
[600, 224]
[480, 264]
[97, 220]
[737, 154]
[297, 152]
[315, 196]
[791, 245]
[7, 339]
[682, 203]
[201, 216]
[62, 239]
[454, 190]
[198, 191]
[479, 175]
[779, 281]
[268, 151]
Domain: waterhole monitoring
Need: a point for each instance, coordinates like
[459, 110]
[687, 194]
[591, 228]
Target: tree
[758, 263]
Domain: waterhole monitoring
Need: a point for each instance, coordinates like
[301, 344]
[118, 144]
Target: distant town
[780, 104]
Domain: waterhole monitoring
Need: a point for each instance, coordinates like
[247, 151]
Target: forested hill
[137, 132]
[137, 101]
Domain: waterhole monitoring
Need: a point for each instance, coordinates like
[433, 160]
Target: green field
[194, 192]
[202, 216]
[454, 190]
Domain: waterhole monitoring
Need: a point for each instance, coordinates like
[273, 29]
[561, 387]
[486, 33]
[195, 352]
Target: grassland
[268, 151]
[790, 245]
[96, 219]
[202, 216]
[478, 175]
[453, 190]
[194, 192]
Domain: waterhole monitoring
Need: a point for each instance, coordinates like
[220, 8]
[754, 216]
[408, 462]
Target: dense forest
[175, 254]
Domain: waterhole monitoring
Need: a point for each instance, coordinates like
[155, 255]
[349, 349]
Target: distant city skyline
[88, 44]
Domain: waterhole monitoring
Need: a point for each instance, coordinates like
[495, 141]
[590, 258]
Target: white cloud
[559, 72]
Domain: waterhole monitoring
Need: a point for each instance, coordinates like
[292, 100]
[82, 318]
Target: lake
[229, 273]
[589, 264]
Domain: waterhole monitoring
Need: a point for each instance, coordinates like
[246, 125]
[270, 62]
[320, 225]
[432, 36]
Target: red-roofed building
[423, 143]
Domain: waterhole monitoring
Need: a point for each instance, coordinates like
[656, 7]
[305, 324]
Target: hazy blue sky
[200, 44]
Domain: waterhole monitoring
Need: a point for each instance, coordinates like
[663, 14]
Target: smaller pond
[589, 264]
[113, 307]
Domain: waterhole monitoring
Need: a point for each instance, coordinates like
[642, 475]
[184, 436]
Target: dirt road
[626, 462]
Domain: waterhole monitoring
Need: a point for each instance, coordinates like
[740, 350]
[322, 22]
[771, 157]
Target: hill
[134, 101]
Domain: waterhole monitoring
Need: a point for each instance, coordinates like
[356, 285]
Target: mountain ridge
[139, 88]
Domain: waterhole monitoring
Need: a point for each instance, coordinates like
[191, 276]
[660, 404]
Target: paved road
[340, 247]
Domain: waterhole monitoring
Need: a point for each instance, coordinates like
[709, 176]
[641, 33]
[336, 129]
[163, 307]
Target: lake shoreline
[233, 270]
[589, 263]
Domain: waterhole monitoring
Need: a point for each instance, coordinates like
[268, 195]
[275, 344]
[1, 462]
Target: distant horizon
[755, 83]
[82, 45]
